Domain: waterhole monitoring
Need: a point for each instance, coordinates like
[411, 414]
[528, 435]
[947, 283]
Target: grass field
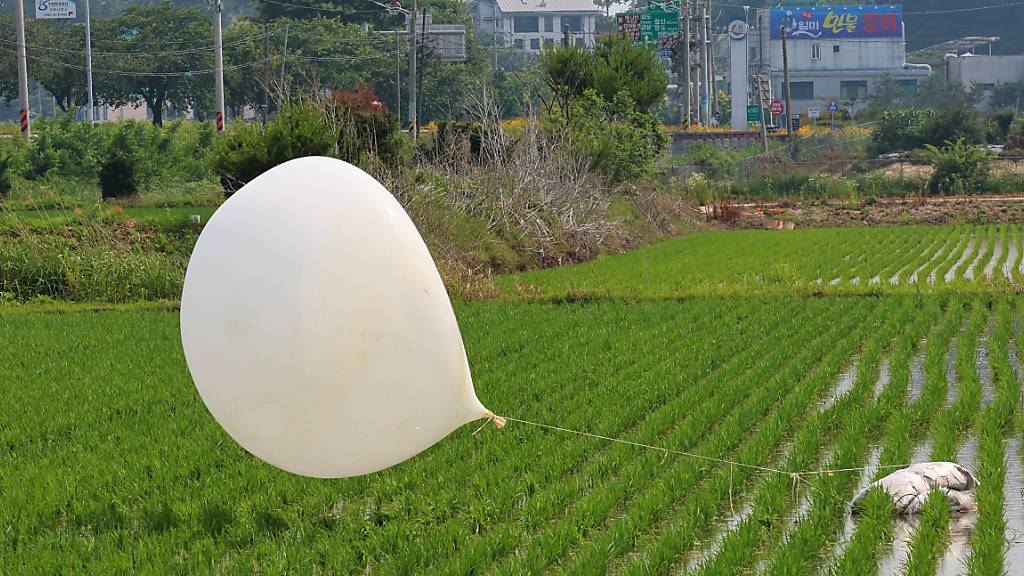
[109, 463]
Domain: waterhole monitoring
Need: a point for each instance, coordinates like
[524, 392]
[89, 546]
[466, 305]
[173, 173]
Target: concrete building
[984, 72]
[533, 24]
[835, 53]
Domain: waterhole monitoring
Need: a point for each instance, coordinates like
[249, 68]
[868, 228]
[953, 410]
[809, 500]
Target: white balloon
[316, 326]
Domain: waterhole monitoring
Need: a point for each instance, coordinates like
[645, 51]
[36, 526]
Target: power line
[137, 54]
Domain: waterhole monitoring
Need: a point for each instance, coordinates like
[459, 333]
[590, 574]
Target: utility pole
[494, 39]
[398, 76]
[684, 15]
[22, 71]
[284, 55]
[88, 63]
[764, 117]
[413, 48]
[218, 64]
[789, 97]
[713, 85]
[266, 72]
[565, 35]
[705, 69]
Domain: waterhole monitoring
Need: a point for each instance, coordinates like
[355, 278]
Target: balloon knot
[493, 418]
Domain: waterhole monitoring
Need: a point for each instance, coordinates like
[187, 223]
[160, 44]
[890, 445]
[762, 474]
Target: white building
[533, 24]
[984, 72]
[835, 53]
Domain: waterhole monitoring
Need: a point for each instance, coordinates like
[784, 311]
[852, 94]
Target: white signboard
[813, 112]
[52, 9]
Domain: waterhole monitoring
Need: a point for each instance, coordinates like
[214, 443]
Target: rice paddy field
[786, 404]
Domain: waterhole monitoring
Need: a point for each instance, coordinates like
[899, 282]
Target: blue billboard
[838, 22]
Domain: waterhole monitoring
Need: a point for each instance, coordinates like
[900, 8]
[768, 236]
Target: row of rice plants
[648, 480]
[711, 494]
[656, 328]
[854, 424]
[666, 545]
[72, 429]
[875, 526]
[839, 261]
[989, 543]
[803, 547]
[653, 381]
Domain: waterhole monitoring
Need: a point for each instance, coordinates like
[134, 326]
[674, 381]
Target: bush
[960, 168]
[957, 123]
[900, 129]
[714, 163]
[337, 128]
[1000, 121]
[622, 143]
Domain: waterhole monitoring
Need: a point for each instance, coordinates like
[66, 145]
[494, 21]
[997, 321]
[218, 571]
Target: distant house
[533, 24]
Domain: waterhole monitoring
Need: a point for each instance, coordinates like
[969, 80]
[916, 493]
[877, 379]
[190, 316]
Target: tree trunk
[158, 112]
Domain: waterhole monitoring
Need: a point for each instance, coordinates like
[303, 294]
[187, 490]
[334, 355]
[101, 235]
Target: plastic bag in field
[316, 326]
[910, 487]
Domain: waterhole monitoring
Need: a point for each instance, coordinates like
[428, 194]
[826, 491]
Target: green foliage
[70, 149]
[567, 73]
[714, 162]
[158, 81]
[900, 129]
[335, 128]
[1001, 120]
[620, 66]
[957, 122]
[621, 142]
[959, 168]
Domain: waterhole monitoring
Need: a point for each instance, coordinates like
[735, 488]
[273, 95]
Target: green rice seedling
[931, 538]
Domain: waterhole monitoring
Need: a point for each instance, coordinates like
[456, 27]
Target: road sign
[753, 113]
[648, 26]
[55, 9]
[813, 112]
[796, 122]
[833, 107]
[665, 54]
[776, 107]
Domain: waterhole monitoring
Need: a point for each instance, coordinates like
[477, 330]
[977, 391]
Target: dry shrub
[531, 188]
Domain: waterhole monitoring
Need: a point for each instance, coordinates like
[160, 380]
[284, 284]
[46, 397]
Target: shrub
[900, 129]
[1001, 120]
[621, 142]
[715, 163]
[960, 168]
[339, 127]
[957, 123]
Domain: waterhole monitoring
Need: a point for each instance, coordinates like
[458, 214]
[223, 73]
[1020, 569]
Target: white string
[797, 475]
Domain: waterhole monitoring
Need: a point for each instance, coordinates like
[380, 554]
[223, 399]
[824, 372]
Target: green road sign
[753, 113]
[648, 26]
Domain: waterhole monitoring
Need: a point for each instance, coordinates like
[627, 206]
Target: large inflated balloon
[316, 326]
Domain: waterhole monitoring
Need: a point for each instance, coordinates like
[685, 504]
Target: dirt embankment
[886, 212]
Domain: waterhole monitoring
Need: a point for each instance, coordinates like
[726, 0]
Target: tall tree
[60, 62]
[158, 53]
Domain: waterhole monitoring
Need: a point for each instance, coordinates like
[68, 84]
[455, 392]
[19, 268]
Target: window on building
[835, 48]
[525, 24]
[534, 43]
[815, 51]
[519, 43]
[908, 87]
[853, 89]
[549, 42]
[575, 23]
[802, 90]
[549, 24]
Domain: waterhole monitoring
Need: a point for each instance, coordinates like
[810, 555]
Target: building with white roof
[533, 24]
